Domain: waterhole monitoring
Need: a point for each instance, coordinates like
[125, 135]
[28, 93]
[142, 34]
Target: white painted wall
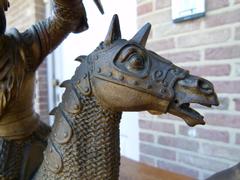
[84, 43]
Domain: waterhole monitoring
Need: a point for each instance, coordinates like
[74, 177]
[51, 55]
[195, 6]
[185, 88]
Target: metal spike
[99, 6]
[65, 84]
[142, 35]
[53, 111]
[114, 32]
[81, 58]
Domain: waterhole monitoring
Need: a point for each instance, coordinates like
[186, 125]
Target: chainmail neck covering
[93, 150]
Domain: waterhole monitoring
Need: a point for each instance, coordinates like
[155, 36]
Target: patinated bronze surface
[120, 75]
[23, 136]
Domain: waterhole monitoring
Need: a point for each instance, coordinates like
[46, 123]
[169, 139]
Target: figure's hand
[83, 24]
[4, 4]
[73, 14]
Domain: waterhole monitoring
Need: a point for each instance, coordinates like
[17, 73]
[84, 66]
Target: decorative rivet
[121, 78]
[110, 74]
[65, 135]
[86, 89]
[99, 70]
[158, 74]
[163, 91]
[76, 107]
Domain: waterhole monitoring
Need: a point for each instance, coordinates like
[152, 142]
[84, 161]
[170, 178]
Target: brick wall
[208, 47]
[22, 14]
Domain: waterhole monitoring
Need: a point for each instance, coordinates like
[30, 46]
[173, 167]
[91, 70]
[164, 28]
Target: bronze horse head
[125, 76]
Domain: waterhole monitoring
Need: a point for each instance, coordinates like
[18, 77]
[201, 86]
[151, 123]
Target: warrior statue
[23, 135]
[120, 75]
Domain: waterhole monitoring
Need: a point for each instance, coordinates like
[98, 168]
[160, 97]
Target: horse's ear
[114, 32]
[142, 35]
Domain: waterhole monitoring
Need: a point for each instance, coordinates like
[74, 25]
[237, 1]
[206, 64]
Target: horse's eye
[136, 62]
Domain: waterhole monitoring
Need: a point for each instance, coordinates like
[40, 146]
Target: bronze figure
[120, 75]
[23, 135]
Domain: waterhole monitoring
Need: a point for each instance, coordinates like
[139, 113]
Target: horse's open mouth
[185, 108]
[190, 115]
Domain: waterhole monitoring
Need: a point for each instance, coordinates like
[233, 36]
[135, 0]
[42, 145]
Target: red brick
[42, 79]
[204, 38]
[144, 8]
[221, 152]
[42, 85]
[170, 117]
[147, 160]
[178, 142]
[223, 18]
[212, 5]
[203, 163]
[42, 92]
[186, 56]
[237, 104]
[43, 98]
[42, 72]
[208, 134]
[43, 108]
[146, 137]
[161, 45]
[211, 70]
[168, 29]
[156, 18]
[177, 168]
[162, 4]
[237, 33]
[157, 151]
[157, 126]
[228, 52]
[237, 138]
[227, 86]
[224, 120]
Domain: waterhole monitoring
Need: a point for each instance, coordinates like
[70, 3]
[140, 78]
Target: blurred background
[208, 46]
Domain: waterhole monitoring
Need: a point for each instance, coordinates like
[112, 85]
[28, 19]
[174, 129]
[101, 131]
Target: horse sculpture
[118, 76]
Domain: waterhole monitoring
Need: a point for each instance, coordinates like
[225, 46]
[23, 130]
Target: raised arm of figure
[45, 36]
